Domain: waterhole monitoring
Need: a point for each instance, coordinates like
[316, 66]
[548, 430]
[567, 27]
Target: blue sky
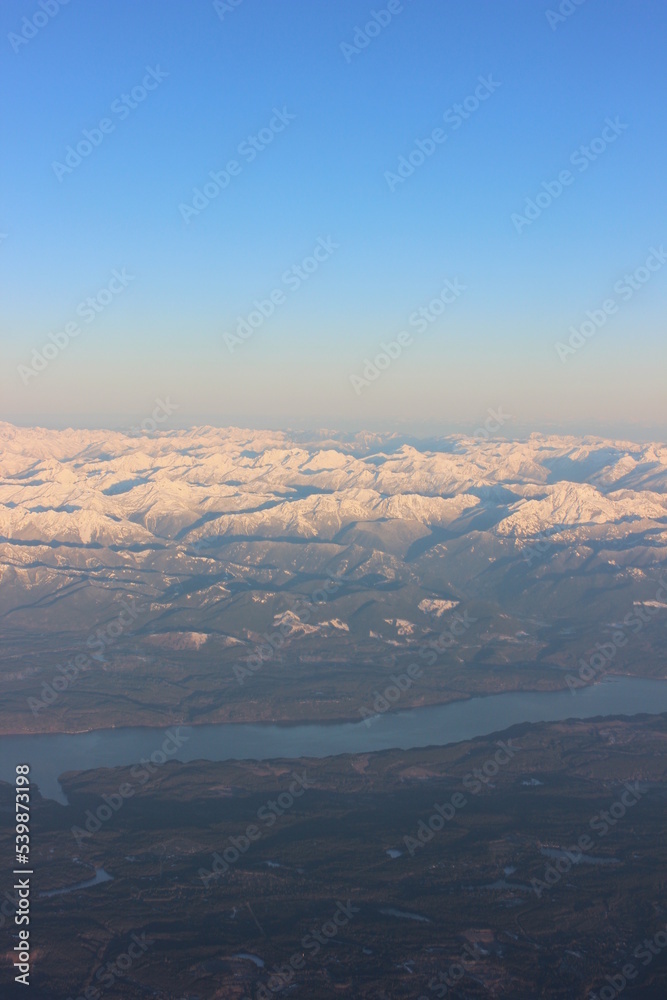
[346, 117]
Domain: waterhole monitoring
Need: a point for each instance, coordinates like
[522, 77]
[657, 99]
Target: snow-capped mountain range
[84, 487]
[188, 494]
[215, 514]
[225, 535]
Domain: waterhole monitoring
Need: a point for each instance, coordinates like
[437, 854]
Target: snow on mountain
[291, 625]
[323, 516]
[85, 527]
[206, 515]
[97, 487]
[179, 640]
[580, 504]
[436, 606]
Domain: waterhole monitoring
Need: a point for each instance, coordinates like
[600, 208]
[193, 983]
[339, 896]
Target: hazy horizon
[511, 430]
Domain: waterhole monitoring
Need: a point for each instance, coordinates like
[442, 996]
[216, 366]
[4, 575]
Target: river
[49, 755]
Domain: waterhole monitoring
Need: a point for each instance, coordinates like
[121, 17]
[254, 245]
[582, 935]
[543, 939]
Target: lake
[50, 755]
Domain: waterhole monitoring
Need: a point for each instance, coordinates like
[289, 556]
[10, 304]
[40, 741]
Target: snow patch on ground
[436, 607]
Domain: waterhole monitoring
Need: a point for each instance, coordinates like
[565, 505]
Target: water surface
[52, 754]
